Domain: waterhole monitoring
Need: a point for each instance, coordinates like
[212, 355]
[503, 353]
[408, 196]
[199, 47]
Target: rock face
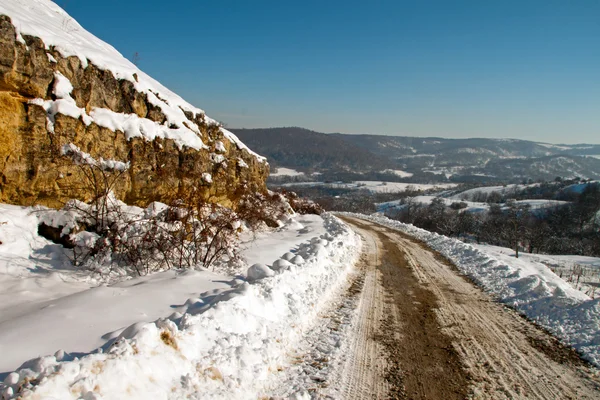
[33, 169]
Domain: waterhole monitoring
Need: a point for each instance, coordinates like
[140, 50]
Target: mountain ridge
[460, 159]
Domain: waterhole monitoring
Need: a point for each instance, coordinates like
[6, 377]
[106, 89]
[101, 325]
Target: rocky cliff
[69, 90]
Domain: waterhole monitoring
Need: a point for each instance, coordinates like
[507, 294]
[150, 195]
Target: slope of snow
[46, 20]
[581, 272]
[468, 194]
[174, 333]
[531, 288]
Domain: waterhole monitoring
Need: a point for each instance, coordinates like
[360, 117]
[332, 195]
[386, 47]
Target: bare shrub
[188, 232]
[301, 205]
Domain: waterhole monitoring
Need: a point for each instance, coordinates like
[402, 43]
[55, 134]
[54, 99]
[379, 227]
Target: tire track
[500, 354]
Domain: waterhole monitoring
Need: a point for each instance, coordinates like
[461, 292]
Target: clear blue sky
[518, 69]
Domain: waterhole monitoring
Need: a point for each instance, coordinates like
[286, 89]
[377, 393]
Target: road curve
[425, 332]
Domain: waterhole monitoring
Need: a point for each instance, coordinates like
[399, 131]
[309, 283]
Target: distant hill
[395, 146]
[308, 151]
[431, 158]
[484, 158]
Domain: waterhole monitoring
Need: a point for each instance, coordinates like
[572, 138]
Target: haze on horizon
[513, 69]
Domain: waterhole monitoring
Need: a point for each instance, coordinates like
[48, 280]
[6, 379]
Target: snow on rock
[46, 20]
[220, 147]
[64, 103]
[206, 177]
[134, 126]
[531, 288]
[241, 163]
[227, 342]
[80, 157]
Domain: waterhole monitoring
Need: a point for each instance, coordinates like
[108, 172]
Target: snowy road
[423, 331]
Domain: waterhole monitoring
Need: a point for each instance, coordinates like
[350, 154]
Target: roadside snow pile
[532, 289]
[49, 22]
[228, 344]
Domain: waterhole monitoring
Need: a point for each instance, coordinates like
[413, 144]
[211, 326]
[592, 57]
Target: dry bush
[301, 205]
[187, 232]
[257, 208]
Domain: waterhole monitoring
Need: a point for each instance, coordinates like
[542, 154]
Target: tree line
[572, 228]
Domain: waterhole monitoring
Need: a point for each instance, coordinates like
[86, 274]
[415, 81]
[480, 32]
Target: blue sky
[518, 69]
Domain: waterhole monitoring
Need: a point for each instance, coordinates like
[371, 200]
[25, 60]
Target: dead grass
[213, 373]
[168, 339]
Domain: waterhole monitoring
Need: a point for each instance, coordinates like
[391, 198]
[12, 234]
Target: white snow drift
[215, 336]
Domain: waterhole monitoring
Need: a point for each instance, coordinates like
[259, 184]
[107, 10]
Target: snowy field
[376, 186]
[176, 331]
[281, 171]
[581, 272]
[529, 287]
[472, 206]
[503, 190]
[399, 172]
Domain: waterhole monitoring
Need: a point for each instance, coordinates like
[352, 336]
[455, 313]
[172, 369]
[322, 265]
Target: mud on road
[425, 332]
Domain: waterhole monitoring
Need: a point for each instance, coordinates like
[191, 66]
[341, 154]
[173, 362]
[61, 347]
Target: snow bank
[227, 345]
[46, 20]
[531, 289]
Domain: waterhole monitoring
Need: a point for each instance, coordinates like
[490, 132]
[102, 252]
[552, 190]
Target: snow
[58, 30]
[529, 287]
[134, 126]
[472, 206]
[399, 172]
[376, 186]
[169, 334]
[581, 272]
[220, 147]
[554, 146]
[259, 271]
[281, 171]
[206, 177]
[507, 189]
[82, 158]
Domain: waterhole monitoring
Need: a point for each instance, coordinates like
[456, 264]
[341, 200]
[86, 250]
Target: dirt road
[425, 332]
